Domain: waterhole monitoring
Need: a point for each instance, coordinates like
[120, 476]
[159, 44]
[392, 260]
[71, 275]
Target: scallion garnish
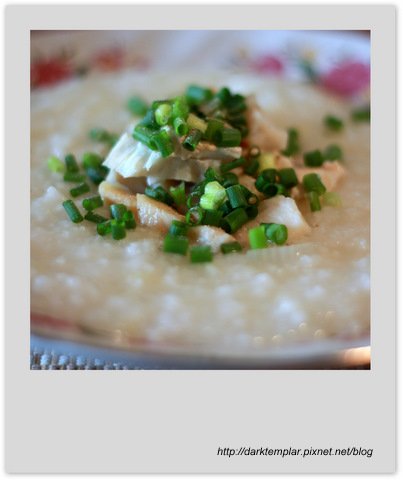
[228, 137]
[333, 152]
[129, 220]
[117, 211]
[257, 237]
[72, 211]
[314, 201]
[175, 244]
[163, 142]
[196, 95]
[178, 228]
[313, 158]
[180, 108]
[214, 127]
[229, 179]
[236, 196]
[192, 139]
[118, 229]
[104, 228]
[103, 136]
[230, 247]
[159, 194]
[287, 177]
[196, 123]
[276, 232]
[144, 135]
[55, 164]
[91, 160]
[137, 106]
[212, 217]
[361, 114]
[252, 166]
[71, 164]
[292, 143]
[178, 194]
[213, 197]
[80, 189]
[180, 126]
[92, 203]
[98, 174]
[313, 183]
[226, 167]
[94, 217]
[73, 177]
[194, 216]
[163, 114]
[234, 220]
[201, 254]
[333, 123]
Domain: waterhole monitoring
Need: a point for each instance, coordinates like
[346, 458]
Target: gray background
[148, 421]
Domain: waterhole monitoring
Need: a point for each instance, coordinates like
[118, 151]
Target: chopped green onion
[210, 174]
[144, 135]
[257, 237]
[333, 123]
[228, 137]
[194, 216]
[252, 211]
[331, 199]
[159, 194]
[361, 114]
[118, 229]
[180, 126]
[193, 199]
[292, 143]
[91, 160]
[230, 247]
[73, 177]
[97, 175]
[103, 136]
[80, 190]
[214, 196]
[178, 194]
[192, 139]
[333, 152]
[313, 183]
[254, 152]
[196, 95]
[71, 164]
[226, 208]
[178, 228]
[94, 217]
[276, 232]
[148, 120]
[129, 220]
[92, 203]
[212, 217]
[196, 123]
[163, 114]
[313, 159]
[214, 128]
[224, 95]
[163, 142]
[252, 167]
[314, 201]
[175, 244]
[72, 211]
[272, 189]
[235, 219]
[137, 106]
[104, 228]
[117, 210]
[236, 196]
[226, 167]
[288, 177]
[236, 104]
[201, 254]
[267, 176]
[229, 179]
[55, 164]
[180, 108]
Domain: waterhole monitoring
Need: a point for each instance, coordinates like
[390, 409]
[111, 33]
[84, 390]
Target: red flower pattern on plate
[347, 78]
[50, 71]
[268, 64]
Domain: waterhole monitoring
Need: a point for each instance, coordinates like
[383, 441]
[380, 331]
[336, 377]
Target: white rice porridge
[316, 289]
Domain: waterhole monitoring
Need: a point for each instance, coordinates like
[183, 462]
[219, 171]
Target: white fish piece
[116, 193]
[278, 209]
[330, 173]
[262, 131]
[131, 158]
[209, 235]
[153, 213]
